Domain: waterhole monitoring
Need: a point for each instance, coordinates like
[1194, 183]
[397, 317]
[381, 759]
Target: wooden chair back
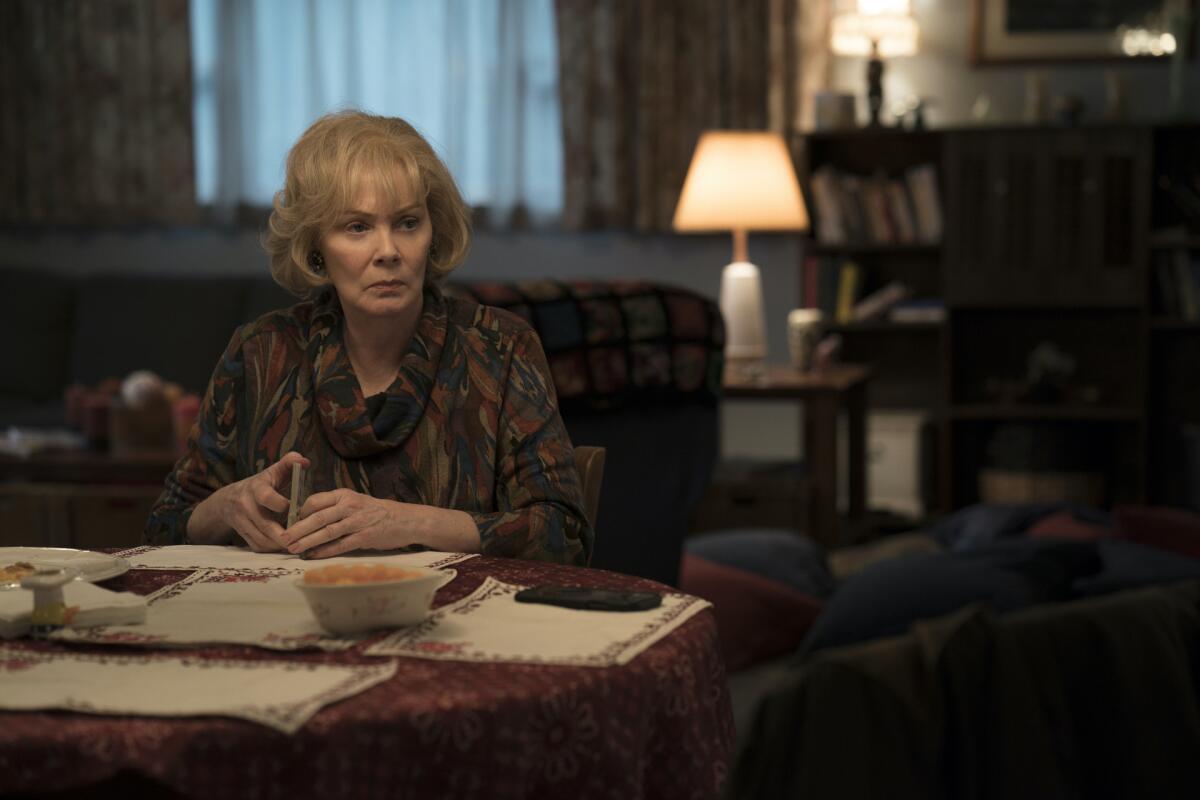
[590, 463]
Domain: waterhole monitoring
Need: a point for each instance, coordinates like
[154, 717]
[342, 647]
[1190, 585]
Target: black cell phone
[590, 599]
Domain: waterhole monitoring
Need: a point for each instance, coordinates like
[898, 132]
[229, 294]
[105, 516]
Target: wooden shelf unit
[1049, 235]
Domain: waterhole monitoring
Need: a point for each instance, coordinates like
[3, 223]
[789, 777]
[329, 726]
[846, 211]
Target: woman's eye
[409, 223]
[356, 227]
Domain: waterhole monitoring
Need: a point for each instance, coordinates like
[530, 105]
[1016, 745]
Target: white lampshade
[740, 180]
[887, 23]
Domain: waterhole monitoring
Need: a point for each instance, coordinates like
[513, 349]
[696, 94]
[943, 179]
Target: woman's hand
[341, 521]
[248, 507]
[344, 520]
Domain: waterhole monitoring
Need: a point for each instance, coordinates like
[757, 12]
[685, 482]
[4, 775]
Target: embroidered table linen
[194, 556]
[95, 606]
[281, 695]
[489, 625]
[260, 607]
[658, 726]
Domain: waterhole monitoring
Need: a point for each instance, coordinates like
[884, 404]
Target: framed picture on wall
[1032, 31]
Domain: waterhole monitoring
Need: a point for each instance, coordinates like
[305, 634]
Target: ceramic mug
[804, 331]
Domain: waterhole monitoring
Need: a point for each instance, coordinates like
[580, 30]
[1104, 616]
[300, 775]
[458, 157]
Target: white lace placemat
[259, 607]
[277, 694]
[489, 625]
[203, 556]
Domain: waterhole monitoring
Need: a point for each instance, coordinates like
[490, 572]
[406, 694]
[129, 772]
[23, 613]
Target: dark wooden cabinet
[1052, 236]
[1046, 217]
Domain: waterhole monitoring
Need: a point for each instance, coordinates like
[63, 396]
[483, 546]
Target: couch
[1091, 698]
[636, 365]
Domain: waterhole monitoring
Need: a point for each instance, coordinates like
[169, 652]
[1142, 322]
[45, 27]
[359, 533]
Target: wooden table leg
[856, 458]
[821, 417]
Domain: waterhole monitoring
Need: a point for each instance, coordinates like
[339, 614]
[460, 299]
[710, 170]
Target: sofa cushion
[1128, 565]
[784, 556]
[757, 618]
[845, 561]
[20, 412]
[177, 327]
[885, 598]
[1068, 525]
[1171, 529]
[38, 304]
[985, 523]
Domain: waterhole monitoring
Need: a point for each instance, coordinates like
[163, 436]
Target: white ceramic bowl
[346, 608]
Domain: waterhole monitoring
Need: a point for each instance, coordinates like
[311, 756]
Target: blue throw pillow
[885, 598]
[985, 523]
[1126, 565]
[781, 555]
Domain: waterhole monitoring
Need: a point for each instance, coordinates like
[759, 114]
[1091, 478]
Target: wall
[695, 262]
[942, 72]
[765, 430]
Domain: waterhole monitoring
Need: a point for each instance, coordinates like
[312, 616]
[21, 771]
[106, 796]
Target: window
[479, 78]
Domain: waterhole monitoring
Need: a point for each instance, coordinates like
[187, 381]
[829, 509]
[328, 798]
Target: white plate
[90, 565]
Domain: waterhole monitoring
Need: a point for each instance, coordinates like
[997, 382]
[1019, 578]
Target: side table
[824, 394]
[79, 499]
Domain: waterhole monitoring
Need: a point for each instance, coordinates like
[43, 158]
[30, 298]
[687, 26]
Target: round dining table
[659, 726]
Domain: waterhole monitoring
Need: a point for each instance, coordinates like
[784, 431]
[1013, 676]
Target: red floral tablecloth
[659, 726]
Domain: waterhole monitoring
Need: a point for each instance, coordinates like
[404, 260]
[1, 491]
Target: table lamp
[878, 29]
[741, 181]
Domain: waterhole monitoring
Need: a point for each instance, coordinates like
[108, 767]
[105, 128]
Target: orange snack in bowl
[345, 574]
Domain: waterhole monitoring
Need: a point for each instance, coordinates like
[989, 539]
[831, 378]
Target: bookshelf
[1051, 244]
[1173, 366]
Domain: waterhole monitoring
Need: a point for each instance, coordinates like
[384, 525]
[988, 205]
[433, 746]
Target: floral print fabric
[470, 423]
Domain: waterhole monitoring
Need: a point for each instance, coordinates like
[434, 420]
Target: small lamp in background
[878, 29]
[741, 181]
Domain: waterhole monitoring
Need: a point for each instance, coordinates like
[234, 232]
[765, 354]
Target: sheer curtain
[477, 77]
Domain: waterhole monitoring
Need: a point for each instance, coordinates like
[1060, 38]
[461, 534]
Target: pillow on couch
[1068, 525]
[1171, 529]
[1128, 565]
[782, 555]
[757, 618]
[885, 598]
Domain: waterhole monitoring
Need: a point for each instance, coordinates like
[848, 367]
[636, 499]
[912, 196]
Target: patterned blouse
[471, 423]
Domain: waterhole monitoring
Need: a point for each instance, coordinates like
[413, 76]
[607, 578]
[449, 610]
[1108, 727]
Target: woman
[421, 420]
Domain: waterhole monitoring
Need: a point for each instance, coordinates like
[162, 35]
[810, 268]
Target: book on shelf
[876, 304]
[810, 296]
[900, 204]
[878, 209]
[849, 278]
[919, 310]
[923, 186]
[824, 190]
[830, 281]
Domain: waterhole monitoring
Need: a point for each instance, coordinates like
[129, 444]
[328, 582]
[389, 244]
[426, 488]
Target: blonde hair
[324, 170]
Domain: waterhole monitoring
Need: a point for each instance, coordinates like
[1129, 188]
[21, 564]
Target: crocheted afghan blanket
[612, 343]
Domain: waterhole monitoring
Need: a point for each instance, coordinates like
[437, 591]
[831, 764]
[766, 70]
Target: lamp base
[741, 304]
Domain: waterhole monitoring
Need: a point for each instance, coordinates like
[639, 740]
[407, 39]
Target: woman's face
[375, 253]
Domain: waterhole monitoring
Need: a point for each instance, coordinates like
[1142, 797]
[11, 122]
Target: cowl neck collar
[339, 399]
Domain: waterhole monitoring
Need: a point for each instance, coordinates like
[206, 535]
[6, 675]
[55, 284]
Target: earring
[433, 250]
[317, 262]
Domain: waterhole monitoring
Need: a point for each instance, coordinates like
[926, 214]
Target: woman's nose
[386, 249]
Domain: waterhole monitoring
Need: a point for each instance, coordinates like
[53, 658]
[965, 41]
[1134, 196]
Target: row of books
[835, 286]
[1177, 278]
[853, 209]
